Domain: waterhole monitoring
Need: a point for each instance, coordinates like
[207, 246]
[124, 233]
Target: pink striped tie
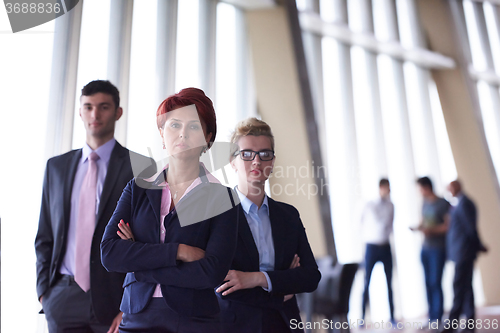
[86, 224]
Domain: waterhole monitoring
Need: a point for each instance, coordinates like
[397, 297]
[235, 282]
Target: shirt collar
[103, 151]
[383, 200]
[247, 204]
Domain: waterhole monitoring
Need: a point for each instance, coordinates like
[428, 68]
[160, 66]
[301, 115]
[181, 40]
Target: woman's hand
[236, 280]
[295, 262]
[189, 253]
[125, 232]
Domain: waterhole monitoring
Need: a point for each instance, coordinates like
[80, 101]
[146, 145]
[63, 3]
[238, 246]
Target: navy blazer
[242, 310]
[463, 241]
[187, 287]
[50, 243]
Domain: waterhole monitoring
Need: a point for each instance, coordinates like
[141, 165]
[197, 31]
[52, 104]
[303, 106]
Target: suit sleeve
[125, 256]
[209, 271]
[303, 279]
[469, 220]
[44, 240]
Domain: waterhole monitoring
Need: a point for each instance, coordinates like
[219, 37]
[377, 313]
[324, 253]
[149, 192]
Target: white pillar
[369, 117]
[166, 39]
[63, 82]
[120, 38]
[402, 169]
[206, 51]
[314, 59]
[429, 164]
[343, 163]
[245, 94]
[494, 93]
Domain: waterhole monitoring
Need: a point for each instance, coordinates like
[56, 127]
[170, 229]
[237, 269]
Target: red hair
[190, 96]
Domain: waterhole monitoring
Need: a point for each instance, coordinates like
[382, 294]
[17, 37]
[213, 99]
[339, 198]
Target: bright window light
[25, 67]
[93, 56]
[187, 45]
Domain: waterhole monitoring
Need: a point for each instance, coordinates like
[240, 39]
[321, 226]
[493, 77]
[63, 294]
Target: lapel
[278, 227]
[154, 196]
[117, 161]
[458, 209]
[68, 185]
[247, 238]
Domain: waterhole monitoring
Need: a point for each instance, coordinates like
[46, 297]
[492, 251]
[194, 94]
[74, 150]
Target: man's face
[99, 114]
[452, 188]
[385, 190]
[425, 191]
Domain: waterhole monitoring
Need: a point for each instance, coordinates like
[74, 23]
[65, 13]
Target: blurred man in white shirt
[377, 225]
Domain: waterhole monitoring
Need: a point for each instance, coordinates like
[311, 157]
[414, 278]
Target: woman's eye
[174, 125]
[195, 127]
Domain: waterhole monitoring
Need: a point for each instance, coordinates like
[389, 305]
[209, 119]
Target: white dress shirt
[377, 221]
[260, 226]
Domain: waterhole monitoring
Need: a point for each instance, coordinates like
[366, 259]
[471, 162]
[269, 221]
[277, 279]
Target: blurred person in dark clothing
[463, 244]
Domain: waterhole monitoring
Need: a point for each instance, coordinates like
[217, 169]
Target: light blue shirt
[104, 152]
[260, 226]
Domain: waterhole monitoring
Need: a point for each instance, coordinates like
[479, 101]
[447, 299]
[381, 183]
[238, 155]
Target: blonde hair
[250, 126]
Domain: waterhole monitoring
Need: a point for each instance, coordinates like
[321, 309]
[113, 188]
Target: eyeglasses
[249, 155]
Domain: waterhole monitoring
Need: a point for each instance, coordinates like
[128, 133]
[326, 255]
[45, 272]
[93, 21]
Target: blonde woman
[273, 259]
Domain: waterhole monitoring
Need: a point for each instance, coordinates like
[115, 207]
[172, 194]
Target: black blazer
[50, 243]
[242, 310]
[187, 287]
[463, 241]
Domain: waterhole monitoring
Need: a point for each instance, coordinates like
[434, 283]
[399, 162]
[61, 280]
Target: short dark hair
[383, 182]
[101, 86]
[425, 182]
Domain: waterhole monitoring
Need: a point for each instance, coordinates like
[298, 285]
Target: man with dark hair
[377, 223]
[425, 182]
[463, 245]
[434, 224]
[80, 192]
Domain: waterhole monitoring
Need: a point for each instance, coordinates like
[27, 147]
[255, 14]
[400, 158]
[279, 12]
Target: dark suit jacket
[187, 287]
[463, 241]
[242, 310]
[50, 243]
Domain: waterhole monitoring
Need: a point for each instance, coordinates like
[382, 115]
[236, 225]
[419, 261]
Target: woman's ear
[233, 163]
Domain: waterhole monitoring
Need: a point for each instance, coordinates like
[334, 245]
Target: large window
[384, 119]
[24, 91]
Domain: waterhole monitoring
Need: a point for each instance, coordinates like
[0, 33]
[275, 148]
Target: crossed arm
[159, 263]
[301, 276]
